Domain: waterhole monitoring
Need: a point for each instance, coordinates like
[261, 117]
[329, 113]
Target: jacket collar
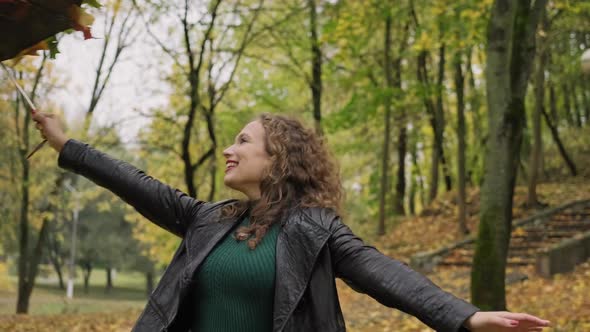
[203, 237]
[299, 243]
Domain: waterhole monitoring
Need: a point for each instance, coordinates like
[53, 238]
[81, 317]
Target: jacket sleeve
[393, 283]
[167, 207]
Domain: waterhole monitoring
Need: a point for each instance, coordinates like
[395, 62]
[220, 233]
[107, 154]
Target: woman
[268, 263]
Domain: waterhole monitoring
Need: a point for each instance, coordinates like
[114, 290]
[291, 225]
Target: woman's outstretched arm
[169, 208]
[396, 285]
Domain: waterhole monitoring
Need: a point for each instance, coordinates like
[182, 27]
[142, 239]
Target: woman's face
[246, 160]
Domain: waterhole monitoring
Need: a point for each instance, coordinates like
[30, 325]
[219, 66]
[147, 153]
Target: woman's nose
[227, 152]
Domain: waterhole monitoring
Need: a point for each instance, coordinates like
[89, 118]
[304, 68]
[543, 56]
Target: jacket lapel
[202, 238]
[298, 245]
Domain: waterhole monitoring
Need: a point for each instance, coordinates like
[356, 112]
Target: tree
[32, 187]
[204, 70]
[316, 61]
[510, 52]
[119, 33]
[464, 22]
[28, 261]
[434, 108]
[459, 79]
[539, 90]
[387, 132]
[392, 86]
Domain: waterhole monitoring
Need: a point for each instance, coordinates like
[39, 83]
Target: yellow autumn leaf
[519, 231]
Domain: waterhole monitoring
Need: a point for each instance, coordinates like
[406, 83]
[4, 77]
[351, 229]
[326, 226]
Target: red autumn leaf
[81, 20]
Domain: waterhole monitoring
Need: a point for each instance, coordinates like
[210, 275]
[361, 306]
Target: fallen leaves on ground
[563, 300]
[93, 322]
[437, 226]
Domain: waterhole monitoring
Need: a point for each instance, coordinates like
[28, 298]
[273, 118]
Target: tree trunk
[510, 52]
[400, 186]
[27, 262]
[571, 119]
[109, 285]
[54, 254]
[60, 277]
[418, 175]
[576, 111]
[22, 305]
[436, 118]
[55, 262]
[213, 176]
[387, 131]
[194, 80]
[316, 67]
[36, 257]
[434, 164]
[585, 99]
[422, 74]
[460, 90]
[539, 89]
[555, 133]
[440, 117]
[402, 140]
[478, 135]
[552, 102]
[412, 196]
[87, 271]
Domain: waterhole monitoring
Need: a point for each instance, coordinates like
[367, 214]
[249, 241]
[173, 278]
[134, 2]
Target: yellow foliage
[424, 42]
[5, 284]
[471, 14]
[103, 206]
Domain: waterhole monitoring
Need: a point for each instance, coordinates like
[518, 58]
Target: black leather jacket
[313, 248]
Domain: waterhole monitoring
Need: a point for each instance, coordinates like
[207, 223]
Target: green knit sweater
[235, 286]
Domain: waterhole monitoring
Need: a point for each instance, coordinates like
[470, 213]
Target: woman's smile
[230, 164]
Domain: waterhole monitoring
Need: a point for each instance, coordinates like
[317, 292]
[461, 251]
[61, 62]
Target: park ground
[563, 299]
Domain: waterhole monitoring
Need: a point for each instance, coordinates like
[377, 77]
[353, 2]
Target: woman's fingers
[37, 116]
[526, 318]
[497, 320]
[41, 122]
[50, 129]
[40, 117]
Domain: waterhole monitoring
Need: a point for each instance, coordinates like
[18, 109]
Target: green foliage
[92, 3]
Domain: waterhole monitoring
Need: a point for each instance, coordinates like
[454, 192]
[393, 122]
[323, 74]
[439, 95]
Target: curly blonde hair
[303, 174]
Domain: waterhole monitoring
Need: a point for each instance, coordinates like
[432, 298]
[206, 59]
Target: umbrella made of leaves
[30, 25]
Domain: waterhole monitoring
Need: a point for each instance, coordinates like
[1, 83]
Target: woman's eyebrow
[242, 135]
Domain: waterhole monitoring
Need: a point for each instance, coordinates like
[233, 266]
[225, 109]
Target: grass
[47, 298]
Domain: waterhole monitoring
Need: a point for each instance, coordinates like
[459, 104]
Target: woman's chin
[227, 181]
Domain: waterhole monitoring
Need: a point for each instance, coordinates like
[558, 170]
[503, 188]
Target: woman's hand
[492, 321]
[51, 129]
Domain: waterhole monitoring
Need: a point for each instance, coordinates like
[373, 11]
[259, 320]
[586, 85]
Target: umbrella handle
[31, 105]
[37, 148]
